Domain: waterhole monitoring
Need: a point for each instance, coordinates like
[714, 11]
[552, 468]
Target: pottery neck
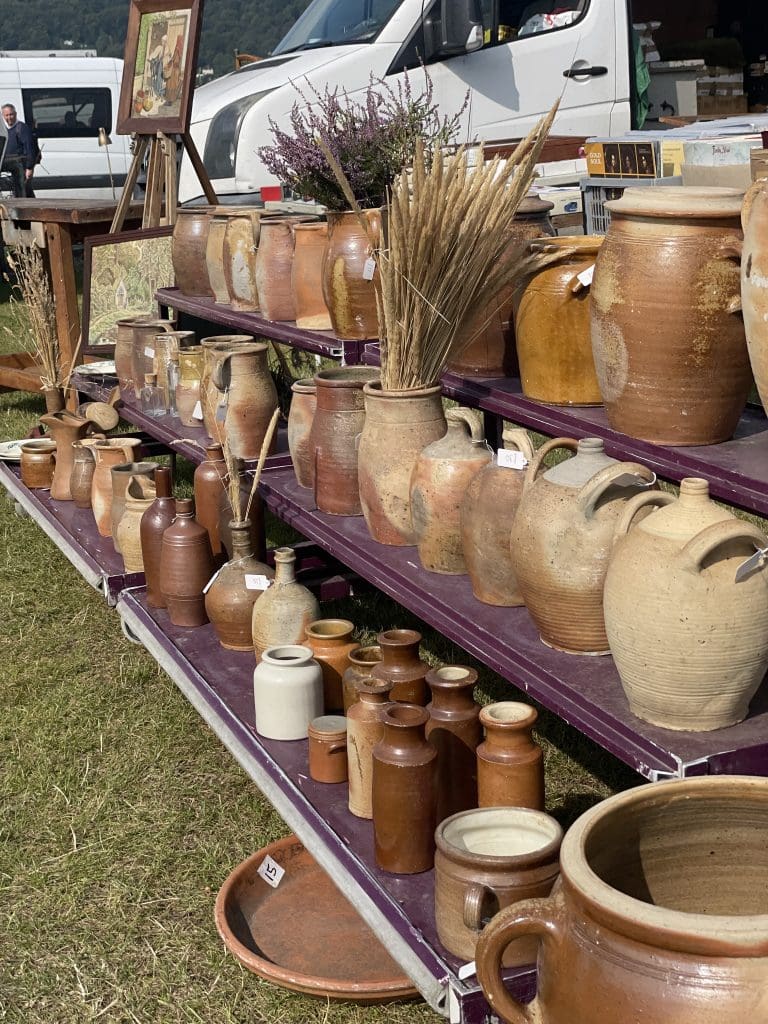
[373, 694]
[331, 632]
[114, 452]
[65, 427]
[452, 688]
[589, 459]
[163, 484]
[364, 658]
[242, 545]
[214, 453]
[404, 726]
[285, 567]
[400, 650]
[287, 656]
[508, 725]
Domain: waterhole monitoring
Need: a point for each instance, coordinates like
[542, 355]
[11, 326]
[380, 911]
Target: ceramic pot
[440, 478]
[660, 914]
[670, 350]
[350, 298]
[214, 252]
[155, 521]
[401, 665]
[300, 416]
[310, 243]
[121, 476]
[754, 283]
[336, 428]
[65, 428]
[139, 495]
[188, 248]
[690, 642]
[212, 400]
[143, 352]
[186, 566]
[282, 613]
[188, 388]
[361, 662]
[124, 352]
[230, 598]
[273, 268]
[330, 641]
[454, 731]
[365, 728]
[562, 536]
[167, 347]
[398, 425]
[487, 860]
[244, 376]
[241, 241]
[510, 763]
[113, 451]
[327, 749]
[252, 510]
[83, 468]
[38, 463]
[287, 692]
[404, 792]
[210, 483]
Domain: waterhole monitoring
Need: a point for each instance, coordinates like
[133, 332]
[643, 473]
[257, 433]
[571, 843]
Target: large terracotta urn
[310, 242]
[190, 238]
[754, 282]
[348, 289]
[689, 638]
[660, 916]
[668, 341]
[65, 428]
[243, 376]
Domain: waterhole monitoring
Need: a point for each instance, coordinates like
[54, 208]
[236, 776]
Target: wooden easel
[162, 181]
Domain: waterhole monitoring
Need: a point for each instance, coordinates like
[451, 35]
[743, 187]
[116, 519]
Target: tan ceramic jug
[243, 376]
[65, 428]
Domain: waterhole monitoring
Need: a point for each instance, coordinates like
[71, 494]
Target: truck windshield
[336, 22]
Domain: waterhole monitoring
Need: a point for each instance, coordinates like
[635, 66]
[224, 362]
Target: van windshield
[336, 22]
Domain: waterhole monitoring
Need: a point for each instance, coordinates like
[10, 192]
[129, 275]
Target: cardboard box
[733, 176]
[622, 158]
[722, 106]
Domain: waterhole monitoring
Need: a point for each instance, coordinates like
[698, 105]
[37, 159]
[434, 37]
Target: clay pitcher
[230, 598]
[401, 665]
[65, 428]
[155, 521]
[310, 243]
[243, 374]
[300, 417]
[562, 536]
[113, 451]
[188, 248]
[188, 388]
[83, 468]
[186, 566]
[754, 283]
[139, 495]
[168, 347]
[241, 241]
[349, 292]
[213, 401]
[143, 355]
[443, 472]
[283, 612]
[274, 264]
[454, 731]
[121, 477]
[690, 639]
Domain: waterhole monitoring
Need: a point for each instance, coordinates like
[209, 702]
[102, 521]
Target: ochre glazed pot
[241, 240]
[350, 298]
[139, 496]
[661, 915]
[190, 239]
[330, 641]
[274, 267]
[510, 763]
[38, 462]
[214, 252]
[300, 416]
[243, 376]
[754, 282]
[113, 451]
[364, 730]
[121, 477]
[310, 243]
[188, 388]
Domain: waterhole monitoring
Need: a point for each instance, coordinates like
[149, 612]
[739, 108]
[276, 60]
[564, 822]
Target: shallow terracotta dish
[333, 954]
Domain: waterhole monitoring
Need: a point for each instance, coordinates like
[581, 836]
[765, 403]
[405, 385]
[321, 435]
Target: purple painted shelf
[399, 908]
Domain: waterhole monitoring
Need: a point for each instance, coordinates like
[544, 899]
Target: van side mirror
[461, 27]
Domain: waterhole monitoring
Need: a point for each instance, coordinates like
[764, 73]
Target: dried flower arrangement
[34, 314]
[234, 473]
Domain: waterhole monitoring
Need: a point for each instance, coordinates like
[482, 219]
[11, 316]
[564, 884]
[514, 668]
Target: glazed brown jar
[510, 764]
[361, 662]
[210, 482]
[300, 416]
[38, 460]
[365, 727]
[454, 731]
[155, 521]
[273, 269]
[401, 665]
[330, 641]
[237, 586]
[186, 565]
[328, 749]
[349, 295]
[188, 246]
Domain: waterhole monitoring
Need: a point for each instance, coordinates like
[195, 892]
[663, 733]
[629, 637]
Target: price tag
[757, 561]
[369, 269]
[149, 353]
[271, 872]
[210, 582]
[510, 459]
[197, 412]
[467, 970]
[585, 277]
[256, 582]
[221, 413]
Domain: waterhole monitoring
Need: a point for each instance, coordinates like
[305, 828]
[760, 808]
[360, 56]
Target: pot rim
[361, 649]
[287, 655]
[695, 202]
[547, 851]
[344, 628]
[347, 376]
[40, 444]
[527, 717]
[305, 386]
[451, 677]
[373, 389]
[401, 715]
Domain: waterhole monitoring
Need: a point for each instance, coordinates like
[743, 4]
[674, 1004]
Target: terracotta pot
[660, 915]
[487, 860]
[188, 388]
[282, 613]
[300, 416]
[440, 478]
[510, 763]
[186, 566]
[350, 298]
[155, 521]
[243, 374]
[214, 252]
[361, 662]
[168, 346]
[83, 468]
[113, 451]
[328, 749]
[124, 352]
[398, 425]
[210, 482]
[139, 495]
[671, 355]
[690, 642]
[120, 476]
[562, 536]
[273, 268]
[310, 244]
[241, 241]
[143, 352]
[213, 401]
[188, 247]
[754, 283]
[336, 429]
[254, 514]
[287, 692]
[38, 463]
[65, 428]
[404, 792]
[230, 598]
[401, 665]
[454, 731]
[331, 643]
[365, 728]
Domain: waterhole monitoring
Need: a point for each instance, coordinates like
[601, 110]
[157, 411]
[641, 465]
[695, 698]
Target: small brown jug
[510, 764]
[155, 521]
[454, 731]
[401, 665]
[330, 641]
[38, 462]
[328, 749]
[186, 566]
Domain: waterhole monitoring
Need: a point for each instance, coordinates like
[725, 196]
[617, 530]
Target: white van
[66, 96]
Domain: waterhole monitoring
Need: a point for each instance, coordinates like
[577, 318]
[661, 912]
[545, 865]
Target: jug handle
[472, 419]
[711, 537]
[480, 905]
[634, 505]
[217, 371]
[749, 198]
[520, 439]
[168, 326]
[540, 917]
[730, 248]
[538, 459]
[593, 489]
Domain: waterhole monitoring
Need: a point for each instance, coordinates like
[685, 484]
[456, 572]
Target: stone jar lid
[679, 201]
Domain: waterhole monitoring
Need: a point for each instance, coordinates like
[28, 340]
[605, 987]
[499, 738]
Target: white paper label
[369, 269]
[221, 413]
[149, 353]
[256, 582]
[585, 277]
[467, 970]
[271, 872]
[510, 459]
[197, 412]
[210, 582]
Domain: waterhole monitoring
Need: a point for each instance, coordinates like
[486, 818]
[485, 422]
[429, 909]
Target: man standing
[20, 151]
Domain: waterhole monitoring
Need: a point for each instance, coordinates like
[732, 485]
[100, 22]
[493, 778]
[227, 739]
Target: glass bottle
[151, 397]
[172, 369]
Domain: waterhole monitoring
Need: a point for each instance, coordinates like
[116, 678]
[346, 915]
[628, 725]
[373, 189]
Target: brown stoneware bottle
[454, 731]
[230, 598]
[401, 665]
[330, 641]
[404, 792]
[365, 728]
[154, 523]
[510, 763]
[186, 565]
[283, 612]
[361, 662]
[210, 483]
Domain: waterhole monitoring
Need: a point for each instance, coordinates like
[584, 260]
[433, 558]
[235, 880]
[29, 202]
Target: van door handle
[593, 72]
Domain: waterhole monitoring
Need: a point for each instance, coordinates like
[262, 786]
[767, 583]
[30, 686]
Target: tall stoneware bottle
[186, 565]
[65, 428]
[300, 416]
[139, 495]
[440, 478]
[330, 641]
[365, 727]
[243, 375]
[510, 764]
[283, 612]
[113, 451]
[155, 521]
[404, 792]
[210, 482]
[454, 731]
[361, 662]
[121, 477]
[401, 665]
[230, 599]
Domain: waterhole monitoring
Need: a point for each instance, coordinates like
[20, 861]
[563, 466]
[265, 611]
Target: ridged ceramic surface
[190, 238]
[310, 244]
[349, 296]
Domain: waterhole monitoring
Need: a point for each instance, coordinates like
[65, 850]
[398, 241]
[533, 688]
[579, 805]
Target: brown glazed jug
[510, 763]
[401, 665]
[144, 348]
[186, 566]
[283, 612]
[300, 417]
[404, 792]
[212, 400]
[188, 388]
[365, 728]
[65, 428]
[38, 462]
[334, 438]
[349, 295]
[139, 495]
[361, 662]
[121, 476]
[243, 375]
[690, 638]
[669, 344]
[454, 731]
[210, 482]
[661, 914]
[330, 641]
[562, 536]
[113, 451]
[439, 482]
[230, 598]
[155, 521]
[188, 246]
[310, 242]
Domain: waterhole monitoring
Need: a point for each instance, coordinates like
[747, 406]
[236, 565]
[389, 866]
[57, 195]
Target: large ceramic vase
[188, 388]
[241, 240]
[365, 728]
[300, 417]
[143, 353]
[155, 521]
[454, 731]
[210, 482]
[212, 400]
[349, 293]
[121, 477]
[65, 428]
[401, 666]
[287, 692]
[668, 341]
[186, 566]
[188, 247]
[689, 637]
[443, 472]
[754, 282]
[239, 583]
[282, 613]
[243, 375]
[661, 914]
[214, 252]
[562, 537]
[113, 451]
[139, 496]
[331, 643]
[274, 269]
[310, 242]
[510, 763]
[336, 428]
[398, 425]
[552, 324]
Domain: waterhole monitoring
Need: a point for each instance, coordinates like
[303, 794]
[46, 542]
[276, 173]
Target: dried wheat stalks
[262, 459]
[34, 314]
[234, 473]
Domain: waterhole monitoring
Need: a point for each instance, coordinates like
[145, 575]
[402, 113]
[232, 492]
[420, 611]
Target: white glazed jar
[287, 692]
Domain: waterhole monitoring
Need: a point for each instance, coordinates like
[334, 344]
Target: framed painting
[160, 66]
[121, 274]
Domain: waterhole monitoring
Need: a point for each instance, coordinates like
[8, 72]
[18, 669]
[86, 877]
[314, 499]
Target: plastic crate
[596, 191]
